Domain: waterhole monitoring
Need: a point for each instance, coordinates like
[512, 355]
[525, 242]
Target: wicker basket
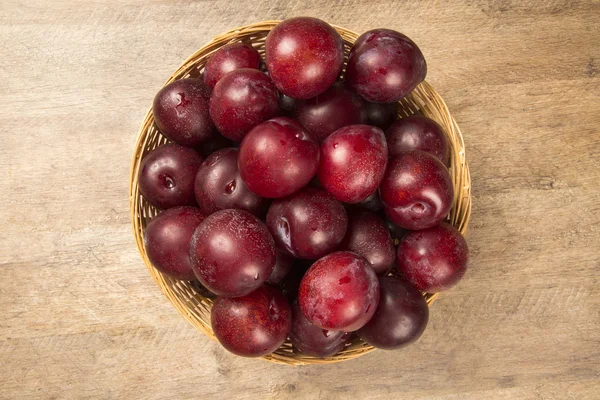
[196, 308]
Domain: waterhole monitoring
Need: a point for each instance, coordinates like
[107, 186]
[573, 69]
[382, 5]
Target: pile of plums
[285, 193]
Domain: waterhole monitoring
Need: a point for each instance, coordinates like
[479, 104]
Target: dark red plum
[339, 292]
[166, 177]
[368, 236]
[181, 112]
[167, 240]
[353, 161]
[418, 133]
[287, 105]
[232, 253]
[324, 114]
[312, 340]
[434, 259]
[241, 100]
[304, 56]
[384, 66]
[278, 158]
[253, 325]
[396, 231]
[401, 316]
[219, 186]
[230, 58]
[308, 224]
[371, 203]
[283, 265]
[381, 115]
[416, 190]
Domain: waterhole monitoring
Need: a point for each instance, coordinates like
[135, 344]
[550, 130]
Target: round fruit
[384, 66]
[219, 186]
[418, 133]
[278, 158]
[167, 240]
[232, 253]
[372, 203]
[401, 316]
[181, 112]
[287, 105]
[229, 58]
[416, 190]
[396, 231]
[304, 56]
[339, 292]
[253, 325]
[166, 177]
[433, 259]
[353, 161]
[307, 224]
[380, 115]
[324, 114]
[283, 265]
[312, 340]
[368, 236]
[241, 100]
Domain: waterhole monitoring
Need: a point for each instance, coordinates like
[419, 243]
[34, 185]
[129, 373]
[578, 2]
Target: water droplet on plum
[169, 182]
[230, 188]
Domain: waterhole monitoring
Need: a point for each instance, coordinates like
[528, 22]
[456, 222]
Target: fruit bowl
[184, 295]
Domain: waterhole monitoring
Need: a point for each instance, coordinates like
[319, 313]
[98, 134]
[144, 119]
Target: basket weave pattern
[196, 308]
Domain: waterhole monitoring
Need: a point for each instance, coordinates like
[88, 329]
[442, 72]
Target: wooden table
[82, 318]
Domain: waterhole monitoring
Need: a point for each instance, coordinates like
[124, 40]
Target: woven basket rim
[425, 97]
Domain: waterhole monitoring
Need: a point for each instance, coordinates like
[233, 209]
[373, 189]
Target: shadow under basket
[182, 294]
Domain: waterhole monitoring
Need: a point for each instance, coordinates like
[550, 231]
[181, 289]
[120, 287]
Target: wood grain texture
[81, 318]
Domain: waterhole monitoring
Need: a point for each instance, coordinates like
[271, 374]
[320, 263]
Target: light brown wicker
[196, 308]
